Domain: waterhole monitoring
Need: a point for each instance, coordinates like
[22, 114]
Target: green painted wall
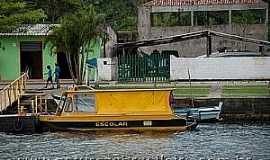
[10, 56]
[49, 58]
[94, 51]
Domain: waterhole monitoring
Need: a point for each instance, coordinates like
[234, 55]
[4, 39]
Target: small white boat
[211, 113]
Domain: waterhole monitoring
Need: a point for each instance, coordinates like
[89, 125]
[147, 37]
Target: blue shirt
[57, 70]
[49, 73]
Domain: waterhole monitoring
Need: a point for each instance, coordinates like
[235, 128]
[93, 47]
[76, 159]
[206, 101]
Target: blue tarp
[92, 63]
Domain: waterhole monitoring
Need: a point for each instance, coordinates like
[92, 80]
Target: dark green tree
[244, 19]
[120, 14]
[13, 13]
[55, 9]
[74, 35]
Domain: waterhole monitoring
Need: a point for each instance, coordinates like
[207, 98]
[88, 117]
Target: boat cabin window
[80, 103]
[68, 105]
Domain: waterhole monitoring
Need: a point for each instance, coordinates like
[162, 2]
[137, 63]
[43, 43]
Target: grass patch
[148, 85]
[244, 91]
[191, 92]
[192, 87]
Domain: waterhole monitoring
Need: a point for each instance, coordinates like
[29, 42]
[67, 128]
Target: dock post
[36, 104]
[45, 103]
[261, 50]
[1, 101]
[208, 45]
[5, 99]
[33, 106]
[19, 103]
[40, 103]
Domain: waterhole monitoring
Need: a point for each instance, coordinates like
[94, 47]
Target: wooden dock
[19, 124]
[19, 109]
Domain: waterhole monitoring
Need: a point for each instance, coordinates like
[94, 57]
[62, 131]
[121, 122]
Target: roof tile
[31, 30]
[199, 2]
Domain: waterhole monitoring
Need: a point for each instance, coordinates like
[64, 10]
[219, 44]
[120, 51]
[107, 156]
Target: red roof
[199, 2]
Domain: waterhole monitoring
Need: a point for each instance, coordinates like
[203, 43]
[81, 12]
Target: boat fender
[18, 125]
[200, 116]
[189, 113]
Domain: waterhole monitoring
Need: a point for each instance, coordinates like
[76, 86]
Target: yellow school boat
[117, 109]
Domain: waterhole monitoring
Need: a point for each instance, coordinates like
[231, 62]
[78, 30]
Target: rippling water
[209, 141]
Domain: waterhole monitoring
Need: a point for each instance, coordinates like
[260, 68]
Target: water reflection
[210, 141]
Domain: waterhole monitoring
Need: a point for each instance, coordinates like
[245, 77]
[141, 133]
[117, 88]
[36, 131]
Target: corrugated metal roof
[31, 30]
[199, 2]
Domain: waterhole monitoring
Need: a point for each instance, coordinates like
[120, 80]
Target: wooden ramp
[12, 92]
[24, 119]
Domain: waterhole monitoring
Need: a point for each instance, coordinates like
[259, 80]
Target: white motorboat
[211, 113]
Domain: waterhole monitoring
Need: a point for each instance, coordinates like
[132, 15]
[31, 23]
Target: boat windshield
[80, 103]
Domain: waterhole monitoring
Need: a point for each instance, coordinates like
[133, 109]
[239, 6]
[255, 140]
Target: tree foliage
[73, 36]
[13, 13]
[55, 9]
[120, 14]
[244, 19]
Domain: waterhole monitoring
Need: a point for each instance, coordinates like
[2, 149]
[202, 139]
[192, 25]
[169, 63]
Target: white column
[230, 17]
[266, 16]
[86, 75]
[192, 18]
[266, 23]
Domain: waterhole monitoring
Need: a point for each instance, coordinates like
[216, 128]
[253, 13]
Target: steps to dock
[19, 122]
[20, 108]
[34, 102]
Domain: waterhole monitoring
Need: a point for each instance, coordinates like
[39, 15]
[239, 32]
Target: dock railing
[12, 92]
[38, 104]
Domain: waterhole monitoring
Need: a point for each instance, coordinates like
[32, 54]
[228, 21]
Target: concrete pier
[16, 124]
[237, 109]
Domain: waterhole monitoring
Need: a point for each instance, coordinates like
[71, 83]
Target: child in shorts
[49, 73]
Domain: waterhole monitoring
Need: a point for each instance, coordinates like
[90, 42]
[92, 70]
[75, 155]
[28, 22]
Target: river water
[209, 141]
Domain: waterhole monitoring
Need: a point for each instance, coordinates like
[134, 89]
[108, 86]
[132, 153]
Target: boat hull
[138, 125]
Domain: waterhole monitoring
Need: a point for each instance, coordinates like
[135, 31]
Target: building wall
[222, 68]
[10, 56]
[48, 58]
[94, 51]
[104, 66]
[197, 47]
[9, 59]
[107, 69]
[194, 48]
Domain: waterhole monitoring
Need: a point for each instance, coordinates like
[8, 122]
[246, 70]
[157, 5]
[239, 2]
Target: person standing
[49, 73]
[57, 72]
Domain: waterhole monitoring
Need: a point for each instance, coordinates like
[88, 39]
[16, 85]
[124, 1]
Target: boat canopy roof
[92, 90]
[129, 101]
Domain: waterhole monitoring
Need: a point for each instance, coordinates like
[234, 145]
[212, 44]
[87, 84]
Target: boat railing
[38, 104]
[12, 92]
